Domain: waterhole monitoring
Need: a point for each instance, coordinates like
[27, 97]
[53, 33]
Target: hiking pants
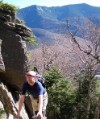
[35, 103]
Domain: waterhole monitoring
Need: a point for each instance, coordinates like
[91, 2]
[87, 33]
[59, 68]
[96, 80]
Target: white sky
[25, 3]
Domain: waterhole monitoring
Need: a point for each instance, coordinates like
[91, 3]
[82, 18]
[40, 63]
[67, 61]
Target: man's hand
[40, 114]
[18, 116]
[21, 100]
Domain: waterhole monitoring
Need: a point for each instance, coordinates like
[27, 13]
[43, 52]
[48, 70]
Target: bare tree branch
[89, 50]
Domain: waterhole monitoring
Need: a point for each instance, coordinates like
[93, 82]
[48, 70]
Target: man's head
[30, 77]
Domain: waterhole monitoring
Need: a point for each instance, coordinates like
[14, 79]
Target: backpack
[41, 80]
[40, 77]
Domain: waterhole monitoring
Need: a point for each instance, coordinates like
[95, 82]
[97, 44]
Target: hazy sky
[24, 3]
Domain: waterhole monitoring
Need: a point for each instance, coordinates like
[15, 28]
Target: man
[37, 93]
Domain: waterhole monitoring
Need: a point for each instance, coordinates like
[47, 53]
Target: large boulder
[14, 57]
[13, 61]
[13, 52]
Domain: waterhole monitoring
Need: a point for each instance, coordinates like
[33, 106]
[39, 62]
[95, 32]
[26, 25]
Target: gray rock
[2, 67]
[13, 63]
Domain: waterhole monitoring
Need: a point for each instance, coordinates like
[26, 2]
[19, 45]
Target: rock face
[10, 108]
[2, 67]
[13, 60]
[13, 49]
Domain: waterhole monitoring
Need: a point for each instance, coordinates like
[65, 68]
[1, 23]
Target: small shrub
[1, 113]
[8, 7]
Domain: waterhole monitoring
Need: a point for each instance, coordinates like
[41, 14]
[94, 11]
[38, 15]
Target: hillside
[39, 16]
[49, 26]
[53, 19]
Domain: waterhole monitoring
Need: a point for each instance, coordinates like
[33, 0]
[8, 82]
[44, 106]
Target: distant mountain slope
[46, 36]
[53, 19]
[49, 26]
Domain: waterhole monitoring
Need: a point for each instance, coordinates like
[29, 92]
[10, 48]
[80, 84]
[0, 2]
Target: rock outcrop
[10, 108]
[13, 61]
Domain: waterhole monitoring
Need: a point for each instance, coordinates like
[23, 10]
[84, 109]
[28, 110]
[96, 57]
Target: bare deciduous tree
[92, 57]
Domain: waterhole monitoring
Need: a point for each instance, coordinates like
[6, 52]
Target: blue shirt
[35, 90]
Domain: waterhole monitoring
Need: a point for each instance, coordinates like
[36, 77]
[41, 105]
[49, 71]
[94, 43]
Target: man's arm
[21, 100]
[40, 105]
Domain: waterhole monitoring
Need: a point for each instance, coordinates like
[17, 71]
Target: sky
[25, 3]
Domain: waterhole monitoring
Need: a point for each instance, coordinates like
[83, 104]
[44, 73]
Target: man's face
[30, 79]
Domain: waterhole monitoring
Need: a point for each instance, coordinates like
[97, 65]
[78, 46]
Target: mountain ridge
[53, 19]
[75, 6]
